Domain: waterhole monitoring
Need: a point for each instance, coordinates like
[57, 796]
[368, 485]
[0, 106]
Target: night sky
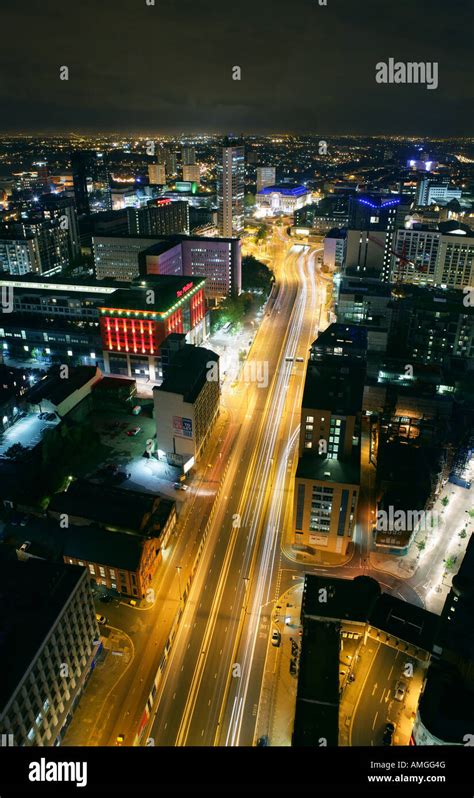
[167, 68]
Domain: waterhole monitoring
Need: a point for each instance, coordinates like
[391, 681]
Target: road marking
[375, 687]
[375, 719]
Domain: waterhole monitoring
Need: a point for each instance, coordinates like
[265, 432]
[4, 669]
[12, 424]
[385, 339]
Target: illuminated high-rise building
[230, 190]
[188, 155]
[191, 173]
[157, 174]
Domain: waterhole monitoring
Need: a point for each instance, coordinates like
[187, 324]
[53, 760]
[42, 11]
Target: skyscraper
[188, 155]
[91, 182]
[157, 174]
[191, 173]
[230, 190]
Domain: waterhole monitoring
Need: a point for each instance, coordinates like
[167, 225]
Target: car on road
[133, 431]
[299, 359]
[101, 619]
[179, 486]
[276, 638]
[289, 359]
[400, 690]
[25, 546]
[388, 734]
[119, 740]
[132, 603]
[262, 741]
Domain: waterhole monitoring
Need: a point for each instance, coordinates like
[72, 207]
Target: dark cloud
[168, 67]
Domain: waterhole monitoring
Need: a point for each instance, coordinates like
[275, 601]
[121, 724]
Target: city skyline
[236, 396]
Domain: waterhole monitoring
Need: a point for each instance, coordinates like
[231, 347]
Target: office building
[442, 257]
[365, 252]
[160, 217]
[219, 260]
[52, 319]
[335, 249]
[50, 640]
[116, 257]
[136, 321]
[187, 404]
[231, 190]
[157, 174]
[377, 211]
[435, 191]
[266, 176]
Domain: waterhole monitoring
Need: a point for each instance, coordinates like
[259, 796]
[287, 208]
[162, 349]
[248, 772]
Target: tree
[256, 275]
[16, 451]
[421, 545]
[445, 501]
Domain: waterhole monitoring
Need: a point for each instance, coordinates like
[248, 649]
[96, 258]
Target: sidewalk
[276, 708]
[91, 713]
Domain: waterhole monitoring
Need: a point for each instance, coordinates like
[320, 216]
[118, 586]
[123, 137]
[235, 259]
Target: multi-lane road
[209, 682]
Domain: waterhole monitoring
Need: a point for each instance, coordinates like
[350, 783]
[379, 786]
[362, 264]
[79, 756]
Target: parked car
[179, 486]
[106, 598]
[119, 740]
[134, 431]
[101, 619]
[262, 741]
[25, 546]
[18, 519]
[276, 638]
[121, 476]
[388, 734]
[400, 690]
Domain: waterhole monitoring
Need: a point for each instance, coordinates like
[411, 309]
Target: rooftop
[55, 389]
[187, 372]
[153, 294]
[321, 468]
[287, 190]
[113, 507]
[335, 385]
[94, 544]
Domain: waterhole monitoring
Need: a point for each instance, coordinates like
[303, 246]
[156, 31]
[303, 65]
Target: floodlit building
[187, 404]
[284, 199]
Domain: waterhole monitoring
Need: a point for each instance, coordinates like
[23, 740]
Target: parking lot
[28, 431]
[128, 453]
